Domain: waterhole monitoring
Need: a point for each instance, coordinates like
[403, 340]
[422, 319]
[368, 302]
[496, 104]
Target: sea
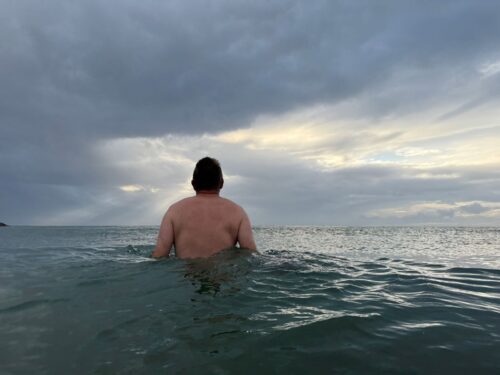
[313, 300]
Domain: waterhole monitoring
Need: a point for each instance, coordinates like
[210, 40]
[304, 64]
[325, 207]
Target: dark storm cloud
[147, 68]
[75, 72]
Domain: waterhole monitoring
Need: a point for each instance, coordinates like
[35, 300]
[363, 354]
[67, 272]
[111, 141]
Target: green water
[89, 300]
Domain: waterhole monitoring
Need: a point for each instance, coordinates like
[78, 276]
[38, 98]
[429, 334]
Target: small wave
[488, 272]
[332, 320]
[283, 311]
[32, 304]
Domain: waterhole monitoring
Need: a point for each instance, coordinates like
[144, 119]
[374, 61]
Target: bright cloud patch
[131, 188]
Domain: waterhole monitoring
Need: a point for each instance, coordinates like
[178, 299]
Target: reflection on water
[227, 267]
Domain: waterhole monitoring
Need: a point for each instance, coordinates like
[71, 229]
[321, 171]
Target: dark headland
[3, 225]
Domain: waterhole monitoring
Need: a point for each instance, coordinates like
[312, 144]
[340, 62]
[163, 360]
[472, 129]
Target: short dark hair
[207, 175]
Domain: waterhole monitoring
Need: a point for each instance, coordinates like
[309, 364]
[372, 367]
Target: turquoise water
[319, 300]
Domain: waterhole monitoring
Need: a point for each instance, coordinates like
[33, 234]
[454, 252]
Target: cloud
[439, 212]
[490, 68]
[136, 69]
[274, 186]
[105, 107]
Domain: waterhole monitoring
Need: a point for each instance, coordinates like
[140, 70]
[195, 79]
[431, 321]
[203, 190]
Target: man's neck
[207, 193]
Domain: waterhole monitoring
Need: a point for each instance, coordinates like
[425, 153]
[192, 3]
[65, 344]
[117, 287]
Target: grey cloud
[75, 73]
[286, 191]
[128, 68]
[490, 93]
[331, 200]
[474, 208]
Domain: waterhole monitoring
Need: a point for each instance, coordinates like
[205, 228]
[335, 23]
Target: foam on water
[90, 300]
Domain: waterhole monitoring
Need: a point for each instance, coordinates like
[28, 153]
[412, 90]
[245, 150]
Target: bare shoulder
[177, 207]
[234, 208]
[231, 204]
[181, 203]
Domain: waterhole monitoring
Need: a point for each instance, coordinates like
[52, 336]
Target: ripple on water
[343, 300]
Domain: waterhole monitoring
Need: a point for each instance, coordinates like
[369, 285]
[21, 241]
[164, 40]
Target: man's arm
[245, 234]
[165, 237]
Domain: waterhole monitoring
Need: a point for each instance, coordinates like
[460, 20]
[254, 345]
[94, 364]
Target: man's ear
[221, 183]
[192, 184]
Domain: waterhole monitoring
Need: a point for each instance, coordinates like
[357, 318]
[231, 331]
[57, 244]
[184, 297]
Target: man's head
[207, 175]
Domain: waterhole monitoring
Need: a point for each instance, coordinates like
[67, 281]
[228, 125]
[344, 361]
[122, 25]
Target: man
[205, 224]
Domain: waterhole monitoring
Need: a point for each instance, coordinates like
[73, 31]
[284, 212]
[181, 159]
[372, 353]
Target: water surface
[317, 300]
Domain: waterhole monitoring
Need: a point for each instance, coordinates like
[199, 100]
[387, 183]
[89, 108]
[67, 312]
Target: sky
[320, 112]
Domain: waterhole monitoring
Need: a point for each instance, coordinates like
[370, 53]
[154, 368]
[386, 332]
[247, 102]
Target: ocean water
[316, 300]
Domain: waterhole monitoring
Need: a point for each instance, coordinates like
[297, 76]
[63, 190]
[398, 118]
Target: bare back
[203, 225]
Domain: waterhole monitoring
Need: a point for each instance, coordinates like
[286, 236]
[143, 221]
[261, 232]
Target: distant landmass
[3, 225]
